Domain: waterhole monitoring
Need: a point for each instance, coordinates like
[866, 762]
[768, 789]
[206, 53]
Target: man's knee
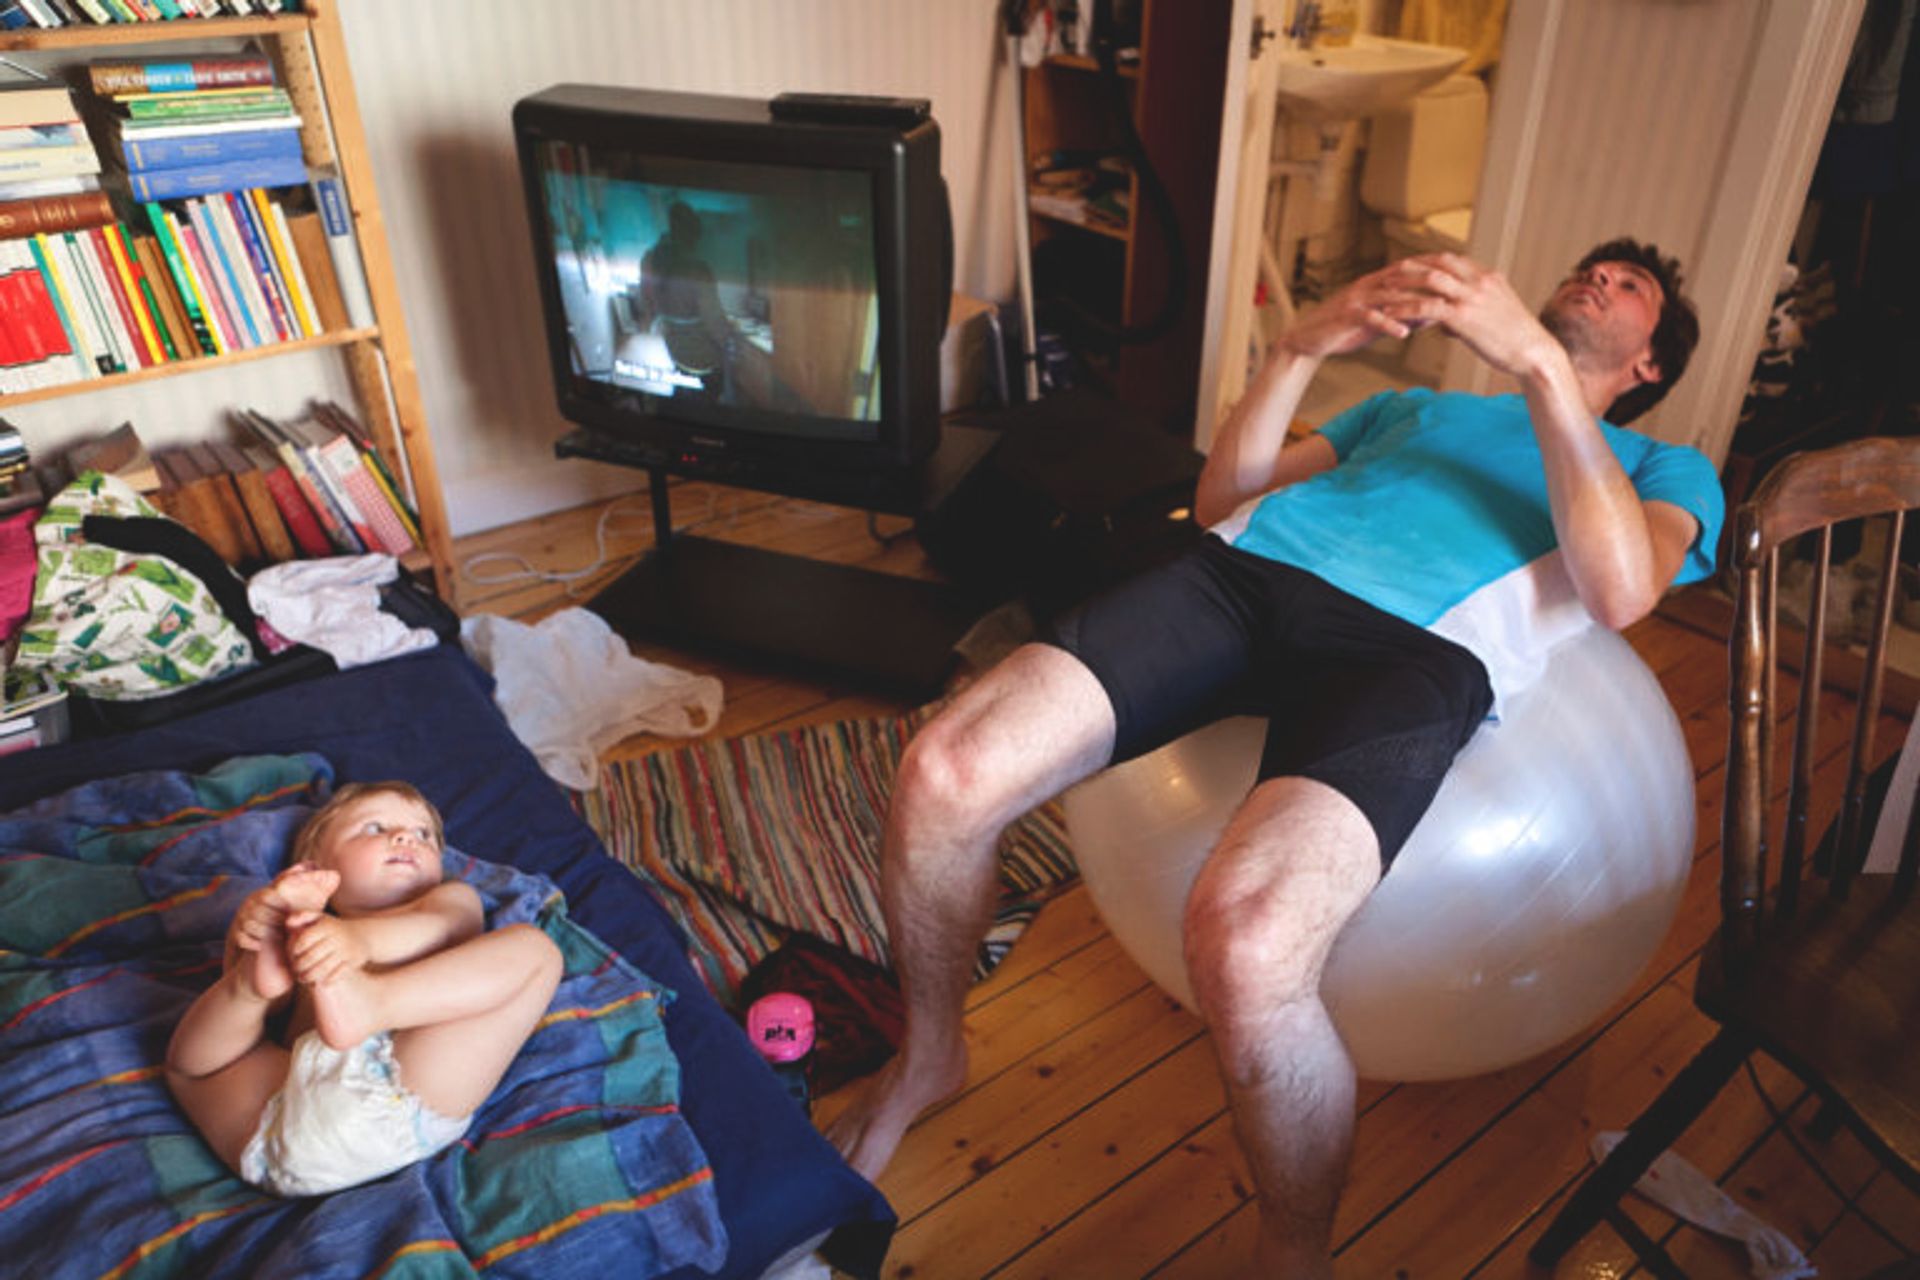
[1245, 954]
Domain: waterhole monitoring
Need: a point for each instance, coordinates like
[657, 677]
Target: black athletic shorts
[1358, 699]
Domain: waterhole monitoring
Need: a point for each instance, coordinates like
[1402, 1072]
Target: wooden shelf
[180, 29]
[1086, 224]
[312, 57]
[86, 386]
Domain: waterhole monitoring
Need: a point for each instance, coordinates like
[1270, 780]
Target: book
[341, 454]
[199, 180]
[309, 241]
[65, 299]
[204, 107]
[54, 213]
[143, 152]
[27, 164]
[226, 278]
[52, 104]
[185, 288]
[194, 499]
[78, 184]
[265, 271]
[301, 522]
[128, 347]
[337, 417]
[272, 220]
[119, 453]
[182, 341]
[276, 542]
[63, 133]
[253, 290]
[80, 271]
[169, 76]
[135, 302]
[226, 495]
[331, 199]
[213, 294]
[146, 295]
[330, 457]
[273, 434]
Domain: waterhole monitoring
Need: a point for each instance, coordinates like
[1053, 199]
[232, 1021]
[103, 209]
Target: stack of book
[19, 488]
[49, 14]
[197, 128]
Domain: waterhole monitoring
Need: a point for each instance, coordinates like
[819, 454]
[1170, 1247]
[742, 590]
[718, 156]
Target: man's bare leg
[1292, 867]
[1026, 730]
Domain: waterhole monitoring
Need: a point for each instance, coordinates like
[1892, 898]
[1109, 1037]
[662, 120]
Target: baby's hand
[324, 949]
[303, 890]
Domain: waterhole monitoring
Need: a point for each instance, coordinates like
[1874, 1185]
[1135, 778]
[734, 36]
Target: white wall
[436, 81]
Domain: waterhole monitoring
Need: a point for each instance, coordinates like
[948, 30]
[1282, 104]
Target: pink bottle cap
[781, 1027]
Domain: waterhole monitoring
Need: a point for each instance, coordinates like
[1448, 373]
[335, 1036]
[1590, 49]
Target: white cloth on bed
[341, 1119]
[570, 689]
[334, 605]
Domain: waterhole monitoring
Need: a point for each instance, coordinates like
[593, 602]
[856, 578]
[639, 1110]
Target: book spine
[253, 238]
[54, 213]
[207, 150]
[26, 164]
[136, 304]
[183, 284]
[308, 241]
[213, 286]
[159, 109]
[63, 307]
[347, 269]
[333, 464]
[200, 180]
[332, 519]
[119, 314]
[111, 78]
[76, 264]
[230, 277]
[147, 295]
[274, 226]
[300, 520]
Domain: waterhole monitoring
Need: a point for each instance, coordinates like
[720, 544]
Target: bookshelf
[1120, 273]
[310, 51]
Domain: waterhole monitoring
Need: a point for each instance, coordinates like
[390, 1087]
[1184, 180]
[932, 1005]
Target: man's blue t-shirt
[1438, 495]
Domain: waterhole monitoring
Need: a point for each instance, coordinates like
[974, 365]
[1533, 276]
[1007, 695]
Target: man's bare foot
[868, 1132]
[346, 1010]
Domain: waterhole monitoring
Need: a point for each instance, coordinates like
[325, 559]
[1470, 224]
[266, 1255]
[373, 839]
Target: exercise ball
[1532, 892]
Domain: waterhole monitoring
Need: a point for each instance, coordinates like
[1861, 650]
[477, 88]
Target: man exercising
[1371, 589]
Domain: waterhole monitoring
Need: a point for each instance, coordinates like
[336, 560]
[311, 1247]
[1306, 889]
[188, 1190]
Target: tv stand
[875, 631]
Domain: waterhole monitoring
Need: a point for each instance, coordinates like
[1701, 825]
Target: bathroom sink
[1341, 82]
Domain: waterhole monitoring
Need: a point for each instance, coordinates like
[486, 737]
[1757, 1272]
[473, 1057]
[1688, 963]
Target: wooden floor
[1091, 1141]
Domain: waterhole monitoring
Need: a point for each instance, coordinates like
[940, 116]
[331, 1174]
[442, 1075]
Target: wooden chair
[1825, 981]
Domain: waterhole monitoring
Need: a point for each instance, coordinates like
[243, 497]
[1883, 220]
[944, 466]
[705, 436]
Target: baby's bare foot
[305, 887]
[346, 1009]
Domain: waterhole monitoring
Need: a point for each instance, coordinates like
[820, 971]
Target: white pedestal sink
[1342, 82]
[1330, 86]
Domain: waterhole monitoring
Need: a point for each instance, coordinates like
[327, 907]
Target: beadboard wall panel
[437, 80]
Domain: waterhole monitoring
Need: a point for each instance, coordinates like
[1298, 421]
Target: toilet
[1422, 168]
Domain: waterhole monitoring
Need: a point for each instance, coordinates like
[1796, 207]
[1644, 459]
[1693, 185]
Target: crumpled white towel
[570, 689]
[1678, 1187]
[334, 605]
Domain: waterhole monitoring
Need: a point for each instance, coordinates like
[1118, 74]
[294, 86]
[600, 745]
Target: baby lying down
[405, 1010]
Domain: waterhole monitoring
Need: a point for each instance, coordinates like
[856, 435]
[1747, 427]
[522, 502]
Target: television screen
[704, 285]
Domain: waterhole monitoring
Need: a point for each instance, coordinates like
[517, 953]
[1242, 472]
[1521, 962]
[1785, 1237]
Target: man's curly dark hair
[1675, 334]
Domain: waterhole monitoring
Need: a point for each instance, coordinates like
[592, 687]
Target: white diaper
[342, 1118]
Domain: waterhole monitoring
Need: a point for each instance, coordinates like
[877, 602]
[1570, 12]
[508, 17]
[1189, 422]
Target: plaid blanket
[114, 903]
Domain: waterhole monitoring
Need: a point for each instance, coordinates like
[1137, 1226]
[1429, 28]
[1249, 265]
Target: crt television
[741, 292]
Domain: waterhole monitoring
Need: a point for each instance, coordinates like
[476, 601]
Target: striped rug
[749, 839]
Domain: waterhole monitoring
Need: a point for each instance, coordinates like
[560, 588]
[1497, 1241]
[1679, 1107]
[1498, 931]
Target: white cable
[527, 572]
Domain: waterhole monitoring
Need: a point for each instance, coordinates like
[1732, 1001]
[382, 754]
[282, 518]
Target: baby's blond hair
[307, 843]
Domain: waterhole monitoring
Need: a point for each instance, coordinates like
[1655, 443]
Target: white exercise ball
[1535, 888]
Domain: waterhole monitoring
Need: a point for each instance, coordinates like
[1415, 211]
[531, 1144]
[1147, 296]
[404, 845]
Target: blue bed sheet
[429, 718]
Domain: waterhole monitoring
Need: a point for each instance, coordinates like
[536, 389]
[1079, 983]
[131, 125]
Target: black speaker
[1077, 492]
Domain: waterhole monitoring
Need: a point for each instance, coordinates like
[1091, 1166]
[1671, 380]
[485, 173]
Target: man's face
[1608, 312]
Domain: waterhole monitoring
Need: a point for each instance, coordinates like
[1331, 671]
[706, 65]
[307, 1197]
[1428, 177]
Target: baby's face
[383, 846]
